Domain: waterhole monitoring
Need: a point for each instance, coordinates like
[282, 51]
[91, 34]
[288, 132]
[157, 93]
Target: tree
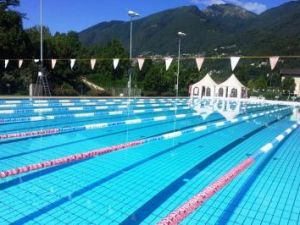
[261, 83]
[251, 84]
[14, 44]
[288, 84]
[5, 4]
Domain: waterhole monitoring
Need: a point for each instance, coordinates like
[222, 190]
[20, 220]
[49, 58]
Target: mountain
[218, 27]
[275, 30]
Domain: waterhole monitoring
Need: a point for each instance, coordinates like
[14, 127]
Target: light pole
[132, 15]
[41, 34]
[180, 36]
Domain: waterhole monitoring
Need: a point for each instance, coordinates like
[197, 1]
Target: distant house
[294, 73]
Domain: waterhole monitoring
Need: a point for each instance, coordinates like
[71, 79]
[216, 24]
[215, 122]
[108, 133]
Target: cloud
[250, 6]
[255, 7]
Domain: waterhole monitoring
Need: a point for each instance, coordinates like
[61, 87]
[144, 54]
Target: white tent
[231, 88]
[204, 88]
[228, 111]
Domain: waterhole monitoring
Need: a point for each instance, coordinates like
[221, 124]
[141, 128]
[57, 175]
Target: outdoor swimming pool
[175, 149]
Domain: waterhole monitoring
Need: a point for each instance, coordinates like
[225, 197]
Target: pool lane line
[13, 112]
[106, 150]
[95, 114]
[241, 193]
[179, 214]
[27, 101]
[90, 186]
[26, 126]
[95, 103]
[163, 195]
[93, 126]
[79, 108]
[118, 132]
[85, 114]
[169, 135]
[57, 103]
[53, 131]
[37, 173]
[72, 108]
[114, 133]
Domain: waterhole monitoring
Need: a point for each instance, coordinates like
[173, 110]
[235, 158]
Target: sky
[77, 15]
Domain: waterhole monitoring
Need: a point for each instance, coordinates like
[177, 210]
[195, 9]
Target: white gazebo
[204, 88]
[231, 88]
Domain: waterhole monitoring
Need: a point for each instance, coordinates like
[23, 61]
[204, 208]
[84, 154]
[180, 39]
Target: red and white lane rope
[179, 214]
[91, 154]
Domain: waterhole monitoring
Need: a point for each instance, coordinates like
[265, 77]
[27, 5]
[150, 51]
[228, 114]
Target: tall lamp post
[132, 15]
[180, 36]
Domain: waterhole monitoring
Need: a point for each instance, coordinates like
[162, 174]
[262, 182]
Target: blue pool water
[143, 184]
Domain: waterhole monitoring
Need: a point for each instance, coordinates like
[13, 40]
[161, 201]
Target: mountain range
[217, 30]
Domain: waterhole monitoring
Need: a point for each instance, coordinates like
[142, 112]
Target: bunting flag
[273, 61]
[141, 62]
[36, 60]
[6, 61]
[72, 63]
[53, 63]
[199, 62]
[93, 63]
[20, 63]
[234, 61]
[116, 63]
[168, 61]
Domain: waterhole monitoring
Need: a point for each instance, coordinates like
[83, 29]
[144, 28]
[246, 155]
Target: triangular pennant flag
[6, 61]
[116, 63]
[273, 61]
[72, 63]
[141, 62]
[36, 60]
[234, 61]
[199, 62]
[93, 63]
[53, 63]
[20, 63]
[168, 61]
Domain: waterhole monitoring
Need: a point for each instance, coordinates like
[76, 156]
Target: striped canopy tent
[204, 88]
[231, 88]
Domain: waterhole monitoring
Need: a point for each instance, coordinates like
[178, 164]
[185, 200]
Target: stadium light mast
[180, 36]
[132, 15]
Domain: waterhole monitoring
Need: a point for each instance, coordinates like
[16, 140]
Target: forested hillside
[220, 30]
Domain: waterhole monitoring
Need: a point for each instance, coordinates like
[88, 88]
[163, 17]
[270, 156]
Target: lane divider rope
[52, 131]
[65, 104]
[87, 114]
[94, 153]
[93, 114]
[88, 100]
[179, 214]
[79, 108]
